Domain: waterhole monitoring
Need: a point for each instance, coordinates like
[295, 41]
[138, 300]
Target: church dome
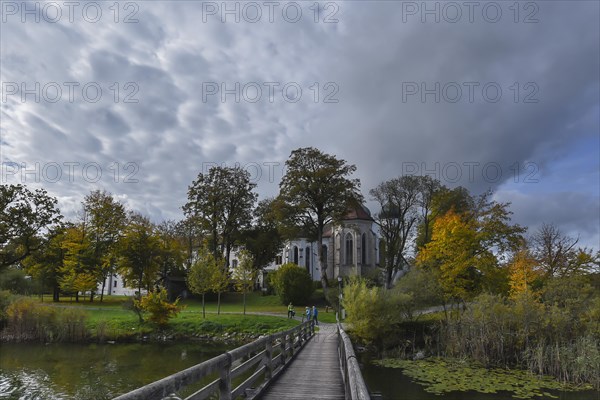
[359, 211]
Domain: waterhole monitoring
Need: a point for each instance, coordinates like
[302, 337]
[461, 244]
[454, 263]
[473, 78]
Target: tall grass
[29, 320]
[544, 338]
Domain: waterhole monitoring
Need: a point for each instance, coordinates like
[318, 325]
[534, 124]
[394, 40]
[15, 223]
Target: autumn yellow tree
[523, 273]
[467, 249]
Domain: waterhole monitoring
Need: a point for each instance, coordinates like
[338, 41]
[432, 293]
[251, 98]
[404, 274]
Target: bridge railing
[231, 365]
[354, 384]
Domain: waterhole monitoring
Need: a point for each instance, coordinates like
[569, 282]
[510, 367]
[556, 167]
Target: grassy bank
[67, 320]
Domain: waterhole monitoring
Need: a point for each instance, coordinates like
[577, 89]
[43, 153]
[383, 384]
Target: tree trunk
[92, 293]
[203, 309]
[219, 303]
[103, 287]
[56, 295]
[324, 282]
[244, 295]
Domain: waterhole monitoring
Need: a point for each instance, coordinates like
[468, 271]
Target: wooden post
[269, 359]
[282, 345]
[225, 380]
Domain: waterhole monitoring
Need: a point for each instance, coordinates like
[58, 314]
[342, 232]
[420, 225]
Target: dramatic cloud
[483, 94]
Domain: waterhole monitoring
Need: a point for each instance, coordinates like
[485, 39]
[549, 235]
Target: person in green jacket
[291, 311]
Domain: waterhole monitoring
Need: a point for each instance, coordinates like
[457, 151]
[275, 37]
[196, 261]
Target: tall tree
[468, 249]
[315, 190]
[429, 187]
[25, 216]
[263, 239]
[77, 272]
[558, 255]
[139, 252]
[171, 255]
[398, 201]
[46, 264]
[106, 221]
[221, 201]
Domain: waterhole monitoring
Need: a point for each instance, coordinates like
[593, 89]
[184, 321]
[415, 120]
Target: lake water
[94, 371]
[393, 385]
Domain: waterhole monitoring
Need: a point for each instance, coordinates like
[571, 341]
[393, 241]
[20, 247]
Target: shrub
[28, 320]
[292, 284]
[158, 306]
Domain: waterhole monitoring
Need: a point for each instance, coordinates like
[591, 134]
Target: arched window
[295, 255]
[349, 249]
[363, 249]
[308, 258]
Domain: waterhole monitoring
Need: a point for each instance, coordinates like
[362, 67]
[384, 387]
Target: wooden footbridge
[295, 364]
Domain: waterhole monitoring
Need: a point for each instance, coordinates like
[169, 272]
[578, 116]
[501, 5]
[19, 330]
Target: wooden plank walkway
[314, 373]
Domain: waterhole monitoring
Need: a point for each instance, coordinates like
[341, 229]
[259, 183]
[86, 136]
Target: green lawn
[110, 320]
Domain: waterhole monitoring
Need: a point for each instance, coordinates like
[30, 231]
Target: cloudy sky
[141, 96]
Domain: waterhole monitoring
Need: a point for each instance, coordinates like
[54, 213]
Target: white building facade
[349, 248]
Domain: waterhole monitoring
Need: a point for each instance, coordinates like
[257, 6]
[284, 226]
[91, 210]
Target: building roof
[359, 211]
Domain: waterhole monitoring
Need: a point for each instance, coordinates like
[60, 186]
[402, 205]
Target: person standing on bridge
[315, 313]
[306, 314]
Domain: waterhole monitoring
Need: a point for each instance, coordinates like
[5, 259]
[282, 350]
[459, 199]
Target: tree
[244, 275]
[106, 220]
[47, 264]
[24, 217]
[437, 200]
[263, 239]
[221, 201]
[292, 284]
[139, 252]
[315, 190]
[467, 249]
[171, 255]
[220, 283]
[557, 255]
[429, 187]
[398, 199]
[77, 273]
[189, 235]
[523, 273]
[201, 277]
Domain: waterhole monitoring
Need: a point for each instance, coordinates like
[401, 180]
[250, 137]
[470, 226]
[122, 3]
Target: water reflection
[62, 371]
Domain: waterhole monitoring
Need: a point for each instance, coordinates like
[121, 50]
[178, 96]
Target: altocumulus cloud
[388, 86]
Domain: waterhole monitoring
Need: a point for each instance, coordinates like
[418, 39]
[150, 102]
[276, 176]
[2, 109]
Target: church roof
[357, 212]
[360, 211]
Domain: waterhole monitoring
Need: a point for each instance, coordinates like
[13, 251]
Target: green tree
[221, 201]
[244, 275]
[263, 239]
[220, 283]
[46, 265]
[171, 255]
[397, 220]
[25, 216]
[106, 220]
[201, 277]
[139, 251]
[315, 190]
[292, 284]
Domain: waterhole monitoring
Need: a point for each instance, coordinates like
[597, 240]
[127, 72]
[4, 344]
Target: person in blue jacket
[315, 313]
